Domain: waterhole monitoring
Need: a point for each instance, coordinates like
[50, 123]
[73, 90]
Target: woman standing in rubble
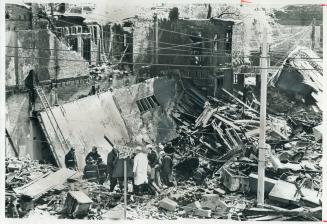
[140, 170]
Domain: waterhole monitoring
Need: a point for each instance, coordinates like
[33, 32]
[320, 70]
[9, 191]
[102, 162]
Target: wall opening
[147, 103]
[87, 49]
[73, 43]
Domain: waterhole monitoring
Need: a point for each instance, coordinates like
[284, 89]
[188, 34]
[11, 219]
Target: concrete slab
[45, 184]
[284, 192]
[269, 183]
[84, 123]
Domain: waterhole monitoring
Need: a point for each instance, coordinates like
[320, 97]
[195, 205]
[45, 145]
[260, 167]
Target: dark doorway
[87, 49]
[73, 44]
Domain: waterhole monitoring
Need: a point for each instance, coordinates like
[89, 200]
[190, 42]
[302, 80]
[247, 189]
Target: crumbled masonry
[219, 147]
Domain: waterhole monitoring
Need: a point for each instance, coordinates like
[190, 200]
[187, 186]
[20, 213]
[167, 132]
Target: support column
[262, 136]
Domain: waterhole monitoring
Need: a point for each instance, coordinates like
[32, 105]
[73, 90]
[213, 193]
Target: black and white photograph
[163, 110]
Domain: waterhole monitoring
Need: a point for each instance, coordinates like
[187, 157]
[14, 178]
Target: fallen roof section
[301, 74]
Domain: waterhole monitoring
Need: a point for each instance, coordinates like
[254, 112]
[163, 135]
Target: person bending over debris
[140, 170]
[70, 159]
[166, 168]
[94, 155]
[91, 172]
[102, 168]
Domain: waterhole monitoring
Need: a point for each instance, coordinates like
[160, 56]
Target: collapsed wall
[117, 115]
[145, 109]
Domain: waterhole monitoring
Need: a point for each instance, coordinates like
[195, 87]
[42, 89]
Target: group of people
[148, 168]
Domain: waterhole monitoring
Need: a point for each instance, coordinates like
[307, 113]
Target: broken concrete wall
[25, 132]
[41, 51]
[153, 125]
[84, 123]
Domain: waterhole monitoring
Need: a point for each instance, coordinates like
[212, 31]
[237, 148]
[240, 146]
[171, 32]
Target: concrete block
[14, 166]
[192, 206]
[234, 182]
[77, 204]
[168, 204]
[269, 183]
[116, 213]
[213, 202]
[203, 213]
[284, 192]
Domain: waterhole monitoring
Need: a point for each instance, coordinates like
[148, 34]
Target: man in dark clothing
[115, 169]
[31, 82]
[94, 155]
[102, 171]
[91, 172]
[167, 169]
[152, 156]
[70, 160]
[153, 159]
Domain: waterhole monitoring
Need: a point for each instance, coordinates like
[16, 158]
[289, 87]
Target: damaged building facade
[164, 82]
[195, 50]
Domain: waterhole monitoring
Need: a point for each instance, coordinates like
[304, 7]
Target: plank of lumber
[226, 122]
[221, 134]
[239, 101]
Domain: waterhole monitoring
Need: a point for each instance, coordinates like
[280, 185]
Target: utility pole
[262, 136]
[125, 188]
[324, 146]
[313, 34]
[156, 38]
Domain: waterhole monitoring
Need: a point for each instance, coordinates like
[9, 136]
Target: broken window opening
[147, 103]
[73, 44]
[228, 42]
[7, 15]
[235, 79]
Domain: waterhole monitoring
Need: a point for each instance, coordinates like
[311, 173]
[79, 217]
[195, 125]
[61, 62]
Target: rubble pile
[215, 172]
[225, 135]
[107, 71]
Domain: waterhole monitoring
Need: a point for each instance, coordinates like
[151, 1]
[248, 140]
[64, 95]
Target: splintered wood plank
[227, 122]
[43, 185]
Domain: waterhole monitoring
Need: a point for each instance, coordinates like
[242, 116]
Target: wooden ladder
[54, 124]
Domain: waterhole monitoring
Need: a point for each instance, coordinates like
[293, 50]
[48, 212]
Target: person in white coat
[140, 170]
